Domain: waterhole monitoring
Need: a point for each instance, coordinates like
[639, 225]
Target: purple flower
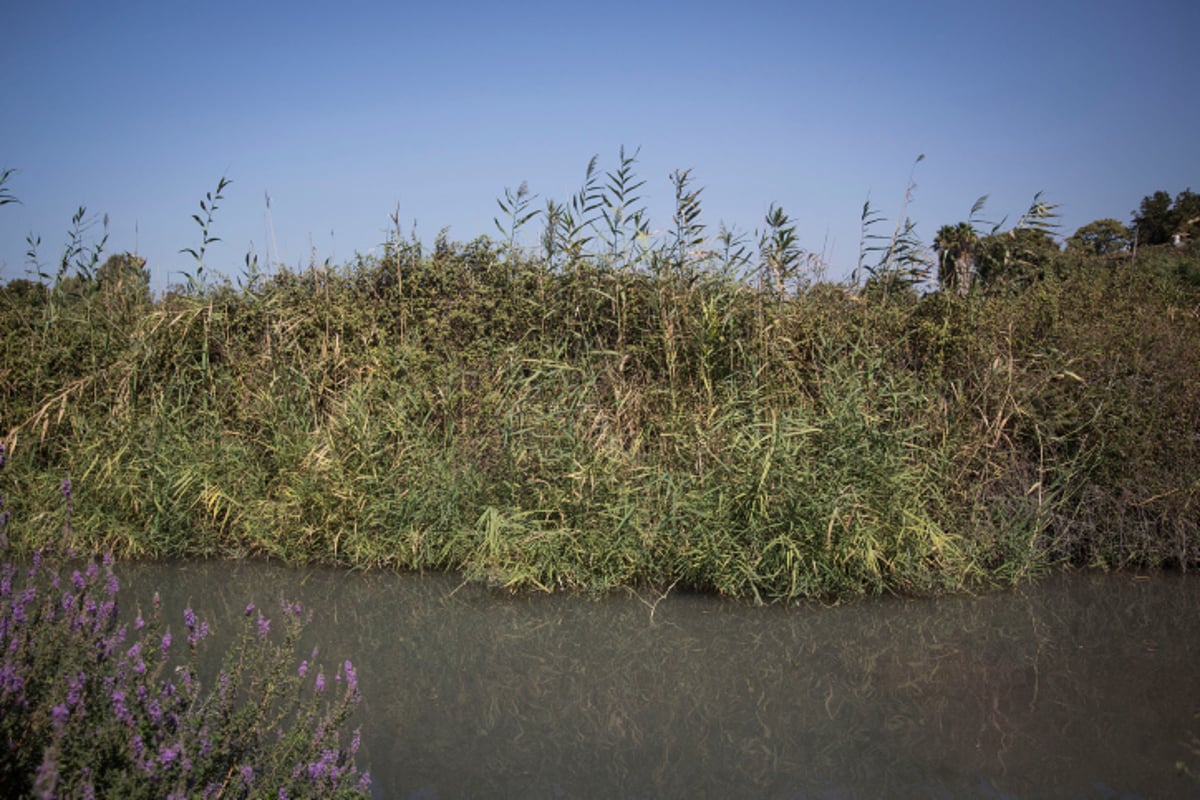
[247, 774]
[119, 708]
[104, 613]
[196, 631]
[10, 681]
[66, 488]
[303, 668]
[75, 689]
[139, 623]
[166, 643]
[205, 743]
[320, 683]
[168, 754]
[264, 626]
[59, 715]
[249, 609]
[322, 767]
[351, 677]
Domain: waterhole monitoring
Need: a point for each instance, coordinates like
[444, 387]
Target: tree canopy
[1157, 220]
[1101, 237]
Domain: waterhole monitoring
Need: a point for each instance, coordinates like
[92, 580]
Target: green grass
[641, 413]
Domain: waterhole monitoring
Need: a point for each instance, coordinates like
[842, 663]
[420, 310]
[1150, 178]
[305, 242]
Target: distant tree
[1151, 221]
[23, 295]
[124, 276]
[1101, 237]
[1158, 219]
[956, 247]
[1009, 259]
[123, 268]
[1016, 258]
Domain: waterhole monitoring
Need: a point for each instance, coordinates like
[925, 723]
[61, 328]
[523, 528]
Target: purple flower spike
[168, 754]
[249, 609]
[264, 627]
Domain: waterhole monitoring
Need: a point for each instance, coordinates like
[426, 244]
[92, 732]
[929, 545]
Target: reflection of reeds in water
[1035, 692]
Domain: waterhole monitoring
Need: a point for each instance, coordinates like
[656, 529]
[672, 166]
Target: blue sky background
[344, 112]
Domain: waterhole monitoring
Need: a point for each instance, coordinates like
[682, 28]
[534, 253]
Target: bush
[89, 707]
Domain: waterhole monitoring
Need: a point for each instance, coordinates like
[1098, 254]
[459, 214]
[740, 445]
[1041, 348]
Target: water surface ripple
[1082, 686]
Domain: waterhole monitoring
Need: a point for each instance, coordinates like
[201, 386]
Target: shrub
[92, 706]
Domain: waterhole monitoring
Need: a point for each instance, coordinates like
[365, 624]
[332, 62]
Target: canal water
[1081, 686]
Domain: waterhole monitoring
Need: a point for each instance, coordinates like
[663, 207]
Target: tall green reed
[613, 408]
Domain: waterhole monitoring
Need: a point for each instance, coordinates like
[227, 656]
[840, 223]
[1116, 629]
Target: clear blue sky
[342, 112]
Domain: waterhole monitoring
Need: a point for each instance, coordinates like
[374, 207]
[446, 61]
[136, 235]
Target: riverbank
[588, 425]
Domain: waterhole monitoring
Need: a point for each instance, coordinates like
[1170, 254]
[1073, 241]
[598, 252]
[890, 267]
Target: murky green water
[1085, 686]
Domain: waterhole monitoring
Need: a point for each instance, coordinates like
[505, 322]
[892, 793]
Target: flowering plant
[89, 707]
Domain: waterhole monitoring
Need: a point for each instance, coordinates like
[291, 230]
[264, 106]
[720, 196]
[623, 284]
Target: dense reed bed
[615, 411]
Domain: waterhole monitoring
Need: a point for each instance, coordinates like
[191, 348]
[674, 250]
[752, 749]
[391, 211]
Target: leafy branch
[6, 196]
[207, 206]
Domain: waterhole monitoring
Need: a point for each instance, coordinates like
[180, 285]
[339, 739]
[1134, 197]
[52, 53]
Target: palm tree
[956, 246]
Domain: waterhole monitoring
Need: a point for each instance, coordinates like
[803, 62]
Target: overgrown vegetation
[610, 407]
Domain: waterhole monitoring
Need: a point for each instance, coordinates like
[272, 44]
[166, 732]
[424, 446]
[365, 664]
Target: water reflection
[1084, 686]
